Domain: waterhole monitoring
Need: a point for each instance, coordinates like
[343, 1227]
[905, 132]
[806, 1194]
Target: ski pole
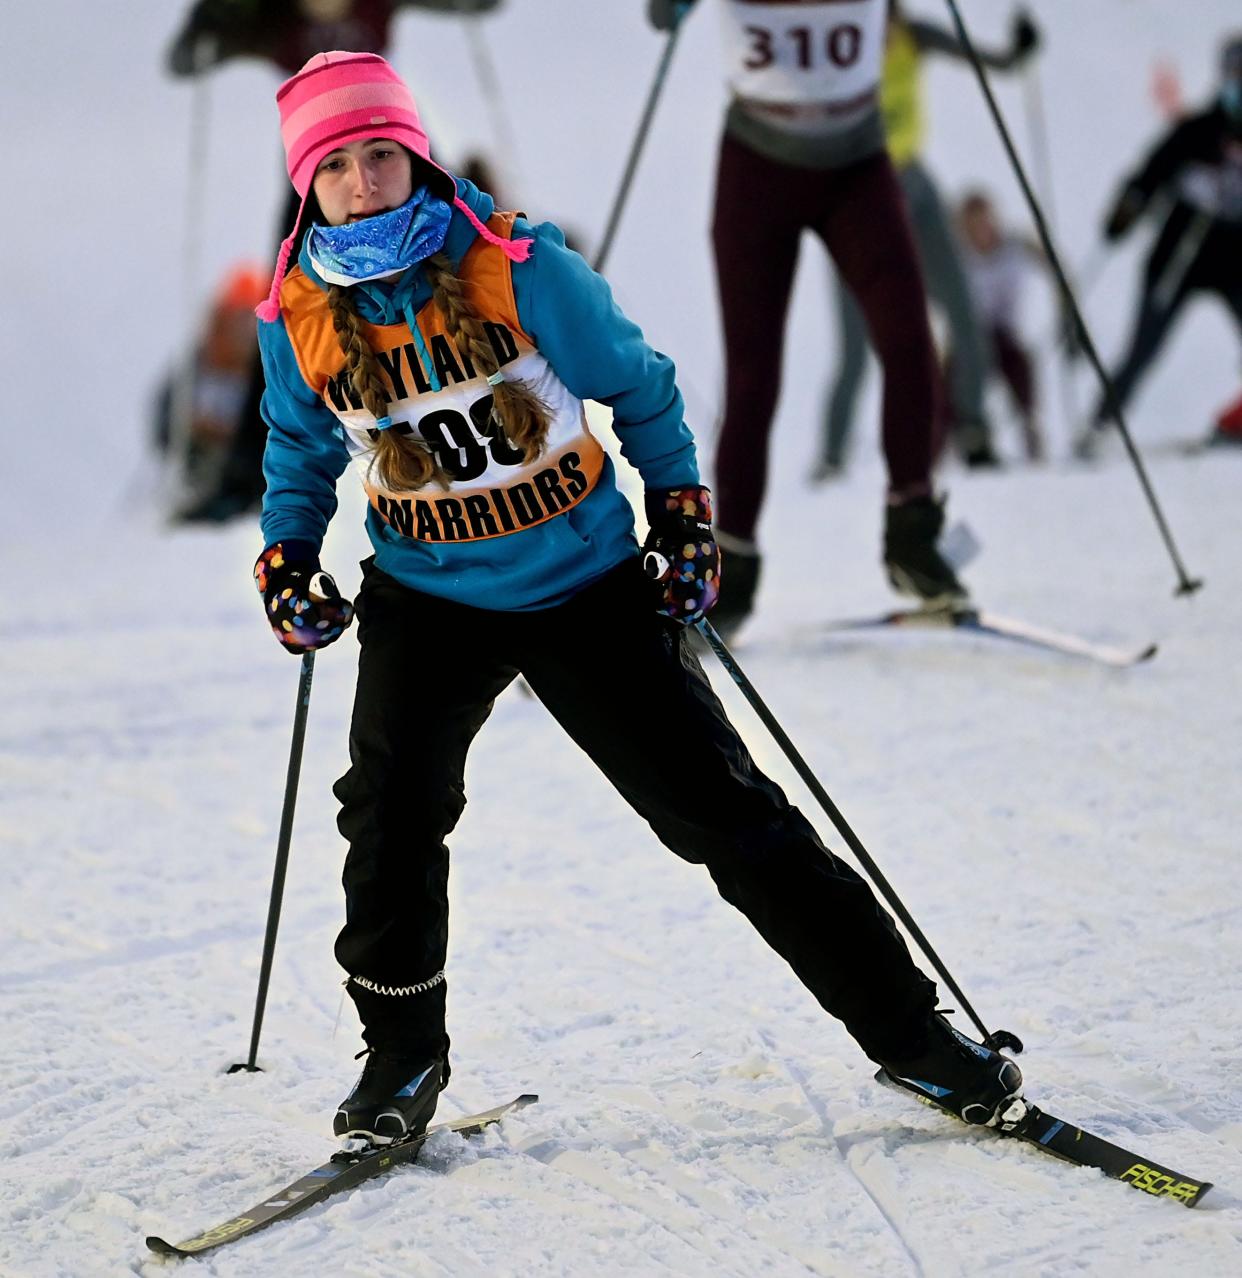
[636, 147]
[1092, 270]
[1185, 583]
[282, 858]
[996, 1040]
[489, 81]
[1173, 276]
[203, 55]
[1086, 277]
[1037, 129]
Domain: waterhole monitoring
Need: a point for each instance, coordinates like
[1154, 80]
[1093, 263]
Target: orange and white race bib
[491, 491]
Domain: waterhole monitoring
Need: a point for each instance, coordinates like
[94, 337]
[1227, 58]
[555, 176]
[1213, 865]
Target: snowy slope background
[1067, 835]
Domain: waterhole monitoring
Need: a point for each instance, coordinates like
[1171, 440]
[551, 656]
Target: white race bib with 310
[804, 51]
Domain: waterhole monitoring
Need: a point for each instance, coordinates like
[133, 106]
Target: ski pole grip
[1002, 1039]
[656, 566]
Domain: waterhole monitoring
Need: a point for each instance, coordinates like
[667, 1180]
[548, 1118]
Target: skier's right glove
[664, 15]
[303, 605]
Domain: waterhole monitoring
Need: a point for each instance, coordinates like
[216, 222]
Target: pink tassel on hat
[514, 250]
[269, 310]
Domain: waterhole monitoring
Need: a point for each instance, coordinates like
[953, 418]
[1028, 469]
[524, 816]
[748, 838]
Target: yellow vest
[901, 95]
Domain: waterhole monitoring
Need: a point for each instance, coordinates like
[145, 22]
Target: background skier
[1195, 173]
[803, 149]
[902, 96]
[219, 381]
[996, 264]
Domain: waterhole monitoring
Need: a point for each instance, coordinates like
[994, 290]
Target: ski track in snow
[1066, 835]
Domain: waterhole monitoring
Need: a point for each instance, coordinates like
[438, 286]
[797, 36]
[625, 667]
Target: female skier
[446, 348]
[804, 149]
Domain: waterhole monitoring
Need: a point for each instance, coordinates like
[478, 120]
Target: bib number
[463, 444]
[840, 47]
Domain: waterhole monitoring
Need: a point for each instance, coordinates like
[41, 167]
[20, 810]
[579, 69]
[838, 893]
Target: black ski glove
[303, 605]
[664, 15]
[1124, 213]
[1025, 36]
[680, 552]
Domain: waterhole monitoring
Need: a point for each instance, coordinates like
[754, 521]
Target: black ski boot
[914, 563]
[956, 1073]
[973, 438]
[393, 1099]
[739, 579]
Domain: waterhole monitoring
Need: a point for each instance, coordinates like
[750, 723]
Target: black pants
[625, 685]
[1193, 254]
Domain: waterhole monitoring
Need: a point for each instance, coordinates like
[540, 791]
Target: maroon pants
[859, 212]
[1014, 366]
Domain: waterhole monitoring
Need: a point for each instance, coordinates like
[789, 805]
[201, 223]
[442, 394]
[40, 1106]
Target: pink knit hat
[342, 97]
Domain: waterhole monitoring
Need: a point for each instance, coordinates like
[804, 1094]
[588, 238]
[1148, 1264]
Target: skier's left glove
[680, 552]
[1124, 213]
[304, 608]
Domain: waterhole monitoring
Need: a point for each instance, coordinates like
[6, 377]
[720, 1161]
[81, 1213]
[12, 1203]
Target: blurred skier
[219, 380]
[445, 349]
[1197, 169]
[907, 42]
[996, 265]
[286, 33]
[803, 149]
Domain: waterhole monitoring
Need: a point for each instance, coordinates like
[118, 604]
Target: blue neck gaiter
[387, 244]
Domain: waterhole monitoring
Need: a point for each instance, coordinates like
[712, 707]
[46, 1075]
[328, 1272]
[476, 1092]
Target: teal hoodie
[569, 313]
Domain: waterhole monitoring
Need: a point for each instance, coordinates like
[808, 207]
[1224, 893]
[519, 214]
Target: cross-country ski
[341, 1172]
[1026, 1122]
[990, 625]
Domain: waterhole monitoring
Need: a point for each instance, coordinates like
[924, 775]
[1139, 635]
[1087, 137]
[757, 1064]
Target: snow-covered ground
[1067, 835]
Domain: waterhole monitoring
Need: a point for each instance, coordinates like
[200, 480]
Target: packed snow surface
[1066, 834]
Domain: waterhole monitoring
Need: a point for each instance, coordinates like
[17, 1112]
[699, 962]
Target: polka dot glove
[303, 605]
[680, 552]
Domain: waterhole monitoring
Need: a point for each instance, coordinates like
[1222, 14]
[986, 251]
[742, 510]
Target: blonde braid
[520, 412]
[401, 463]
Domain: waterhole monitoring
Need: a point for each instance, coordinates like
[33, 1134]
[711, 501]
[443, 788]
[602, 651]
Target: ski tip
[162, 1247]
[526, 1098]
[1147, 653]
[1162, 1184]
